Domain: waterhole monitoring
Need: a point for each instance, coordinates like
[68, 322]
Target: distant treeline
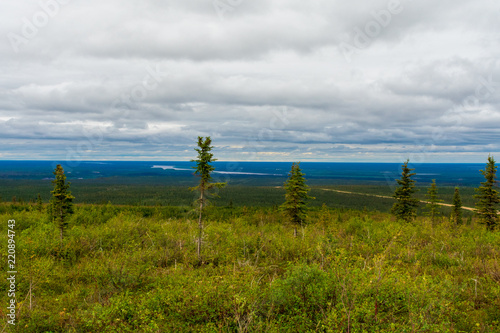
[26, 191]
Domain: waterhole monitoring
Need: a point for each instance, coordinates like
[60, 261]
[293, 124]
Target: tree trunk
[61, 223]
[200, 227]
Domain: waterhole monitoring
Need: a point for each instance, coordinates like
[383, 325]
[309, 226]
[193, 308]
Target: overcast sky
[288, 80]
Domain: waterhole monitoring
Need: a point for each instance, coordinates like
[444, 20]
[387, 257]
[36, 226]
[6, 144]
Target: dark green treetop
[405, 207]
[204, 169]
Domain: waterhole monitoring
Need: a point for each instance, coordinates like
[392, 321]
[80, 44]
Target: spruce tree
[203, 170]
[488, 197]
[39, 203]
[405, 207]
[432, 196]
[456, 215]
[61, 203]
[296, 197]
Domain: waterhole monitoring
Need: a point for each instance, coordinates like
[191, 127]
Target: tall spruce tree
[432, 197]
[488, 197]
[296, 197]
[456, 214]
[405, 207]
[61, 203]
[203, 170]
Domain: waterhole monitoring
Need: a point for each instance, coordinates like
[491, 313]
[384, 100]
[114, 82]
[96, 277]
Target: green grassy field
[134, 269]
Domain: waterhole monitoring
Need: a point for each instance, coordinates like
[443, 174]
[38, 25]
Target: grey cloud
[134, 79]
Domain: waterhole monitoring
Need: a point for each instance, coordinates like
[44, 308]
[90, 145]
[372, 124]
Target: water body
[248, 173]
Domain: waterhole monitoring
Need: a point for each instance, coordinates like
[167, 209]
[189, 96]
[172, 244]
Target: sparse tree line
[296, 197]
[487, 198]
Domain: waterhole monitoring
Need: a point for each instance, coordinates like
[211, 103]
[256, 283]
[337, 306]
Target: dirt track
[387, 197]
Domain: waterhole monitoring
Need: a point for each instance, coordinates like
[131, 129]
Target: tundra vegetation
[135, 268]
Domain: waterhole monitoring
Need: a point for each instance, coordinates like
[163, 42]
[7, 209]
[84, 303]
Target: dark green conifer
[432, 197]
[296, 196]
[456, 215]
[488, 197]
[39, 203]
[203, 170]
[61, 203]
[405, 207]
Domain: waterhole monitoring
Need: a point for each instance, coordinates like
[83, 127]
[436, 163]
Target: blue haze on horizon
[463, 174]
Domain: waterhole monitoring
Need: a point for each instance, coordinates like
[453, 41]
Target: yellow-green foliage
[130, 270]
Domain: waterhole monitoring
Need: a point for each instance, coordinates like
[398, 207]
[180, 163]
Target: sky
[273, 80]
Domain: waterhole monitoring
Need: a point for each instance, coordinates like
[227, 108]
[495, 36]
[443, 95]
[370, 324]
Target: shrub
[305, 293]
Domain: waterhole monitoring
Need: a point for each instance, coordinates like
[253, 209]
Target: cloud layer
[267, 80]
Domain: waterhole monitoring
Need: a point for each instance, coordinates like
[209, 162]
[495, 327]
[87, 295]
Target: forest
[128, 258]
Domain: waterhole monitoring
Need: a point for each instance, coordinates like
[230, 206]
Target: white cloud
[268, 80]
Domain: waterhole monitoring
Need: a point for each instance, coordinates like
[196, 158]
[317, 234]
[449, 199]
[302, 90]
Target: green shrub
[303, 295]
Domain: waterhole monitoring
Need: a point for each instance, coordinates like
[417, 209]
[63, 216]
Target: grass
[134, 269]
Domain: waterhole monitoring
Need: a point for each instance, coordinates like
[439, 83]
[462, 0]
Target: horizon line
[228, 161]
